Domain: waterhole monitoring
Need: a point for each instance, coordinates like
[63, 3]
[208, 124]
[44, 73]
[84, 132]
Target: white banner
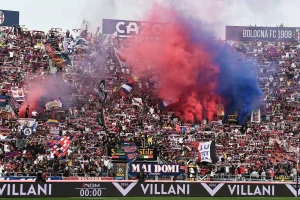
[52, 104]
[255, 116]
[28, 122]
[18, 94]
[204, 149]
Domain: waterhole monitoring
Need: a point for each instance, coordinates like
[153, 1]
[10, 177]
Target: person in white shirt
[34, 114]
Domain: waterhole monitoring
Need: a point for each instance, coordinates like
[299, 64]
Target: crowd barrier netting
[54, 188]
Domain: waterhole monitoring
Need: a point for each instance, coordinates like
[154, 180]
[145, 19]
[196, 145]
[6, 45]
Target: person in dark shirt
[142, 176]
[41, 177]
[27, 112]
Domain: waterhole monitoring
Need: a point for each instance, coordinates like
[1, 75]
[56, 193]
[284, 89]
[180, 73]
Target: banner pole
[297, 178]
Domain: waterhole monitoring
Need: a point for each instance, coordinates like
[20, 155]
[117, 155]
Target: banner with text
[154, 169]
[242, 33]
[145, 189]
[124, 28]
[118, 154]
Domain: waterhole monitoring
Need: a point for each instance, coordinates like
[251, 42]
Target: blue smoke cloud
[237, 81]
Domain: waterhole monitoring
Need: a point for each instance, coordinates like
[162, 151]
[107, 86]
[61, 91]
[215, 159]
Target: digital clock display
[90, 190]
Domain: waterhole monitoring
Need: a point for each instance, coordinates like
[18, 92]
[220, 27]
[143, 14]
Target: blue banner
[15, 178]
[124, 28]
[3, 100]
[9, 18]
[246, 33]
[154, 169]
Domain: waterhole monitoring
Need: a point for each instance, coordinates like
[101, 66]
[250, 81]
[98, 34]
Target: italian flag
[186, 150]
[146, 156]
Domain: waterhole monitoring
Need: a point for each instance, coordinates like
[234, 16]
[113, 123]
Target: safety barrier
[109, 188]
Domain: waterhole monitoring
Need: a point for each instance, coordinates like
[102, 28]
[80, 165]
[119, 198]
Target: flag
[121, 58]
[206, 151]
[89, 29]
[60, 59]
[65, 58]
[53, 126]
[58, 101]
[162, 104]
[54, 104]
[3, 101]
[51, 143]
[27, 131]
[93, 29]
[101, 117]
[102, 85]
[104, 42]
[256, 116]
[60, 145]
[101, 93]
[72, 113]
[84, 28]
[186, 150]
[27, 123]
[84, 25]
[137, 101]
[131, 151]
[18, 94]
[127, 87]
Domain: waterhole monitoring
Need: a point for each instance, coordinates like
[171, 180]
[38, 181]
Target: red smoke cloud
[32, 99]
[185, 70]
[40, 90]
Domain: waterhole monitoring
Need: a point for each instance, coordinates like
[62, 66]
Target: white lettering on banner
[276, 34]
[204, 149]
[212, 192]
[18, 190]
[157, 168]
[285, 34]
[2, 189]
[89, 178]
[255, 33]
[160, 189]
[245, 190]
[293, 190]
[123, 191]
[118, 27]
[90, 189]
[132, 28]
[273, 34]
[91, 185]
[145, 28]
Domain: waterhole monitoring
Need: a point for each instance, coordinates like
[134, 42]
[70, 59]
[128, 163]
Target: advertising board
[9, 18]
[244, 33]
[151, 189]
[117, 154]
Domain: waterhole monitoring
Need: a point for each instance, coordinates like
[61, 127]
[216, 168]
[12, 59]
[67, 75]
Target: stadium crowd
[263, 147]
